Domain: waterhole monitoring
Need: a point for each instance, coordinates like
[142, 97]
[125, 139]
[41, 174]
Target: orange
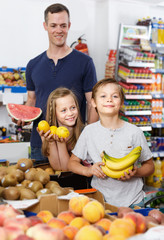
[43, 125]
[53, 129]
[62, 132]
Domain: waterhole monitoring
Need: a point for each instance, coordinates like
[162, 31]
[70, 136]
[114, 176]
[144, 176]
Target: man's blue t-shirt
[76, 71]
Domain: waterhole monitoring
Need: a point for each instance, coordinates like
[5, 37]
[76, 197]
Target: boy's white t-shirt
[117, 143]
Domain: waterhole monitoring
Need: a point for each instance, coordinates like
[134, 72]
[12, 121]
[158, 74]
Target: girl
[62, 110]
[117, 138]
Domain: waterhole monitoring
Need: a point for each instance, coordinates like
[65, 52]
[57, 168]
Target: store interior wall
[23, 36]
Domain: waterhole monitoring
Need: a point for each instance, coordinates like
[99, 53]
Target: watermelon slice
[23, 112]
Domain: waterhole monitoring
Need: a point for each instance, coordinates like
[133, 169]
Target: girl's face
[66, 111]
[107, 100]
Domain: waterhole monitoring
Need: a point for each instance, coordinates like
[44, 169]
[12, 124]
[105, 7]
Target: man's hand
[20, 122]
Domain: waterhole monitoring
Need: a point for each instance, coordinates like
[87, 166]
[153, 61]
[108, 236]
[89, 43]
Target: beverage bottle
[157, 178]
[160, 31]
[154, 31]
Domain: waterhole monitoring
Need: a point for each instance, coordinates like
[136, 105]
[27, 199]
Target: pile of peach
[84, 220]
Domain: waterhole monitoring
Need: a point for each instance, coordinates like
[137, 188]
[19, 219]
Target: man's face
[57, 26]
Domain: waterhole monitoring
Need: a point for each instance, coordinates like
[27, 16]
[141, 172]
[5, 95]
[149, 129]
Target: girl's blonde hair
[104, 82]
[52, 119]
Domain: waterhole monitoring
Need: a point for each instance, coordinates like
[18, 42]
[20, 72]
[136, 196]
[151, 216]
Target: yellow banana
[124, 162]
[115, 174]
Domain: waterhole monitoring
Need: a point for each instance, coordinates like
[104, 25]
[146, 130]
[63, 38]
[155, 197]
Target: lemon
[53, 129]
[43, 125]
[62, 132]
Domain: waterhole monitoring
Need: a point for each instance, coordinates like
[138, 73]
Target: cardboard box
[55, 205]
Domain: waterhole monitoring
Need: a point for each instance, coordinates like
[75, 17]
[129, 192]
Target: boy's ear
[93, 102]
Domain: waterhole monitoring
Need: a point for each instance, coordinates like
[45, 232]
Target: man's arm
[92, 115]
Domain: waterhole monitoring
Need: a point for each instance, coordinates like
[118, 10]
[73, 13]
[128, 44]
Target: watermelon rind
[23, 112]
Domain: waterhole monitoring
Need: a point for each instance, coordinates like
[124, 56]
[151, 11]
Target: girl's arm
[145, 170]
[75, 166]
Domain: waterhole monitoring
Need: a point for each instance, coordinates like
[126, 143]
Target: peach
[89, 233]
[35, 220]
[76, 204]
[93, 211]
[122, 211]
[66, 216]
[56, 223]
[7, 211]
[138, 220]
[3, 234]
[13, 232]
[23, 237]
[117, 237]
[123, 227]
[79, 222]
[70, 231]
[21, 223]
[43, 231]
[101, 229]
[105, 223]
[45, 215]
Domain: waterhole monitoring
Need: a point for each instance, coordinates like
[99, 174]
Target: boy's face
[107, 100]
[57, 26]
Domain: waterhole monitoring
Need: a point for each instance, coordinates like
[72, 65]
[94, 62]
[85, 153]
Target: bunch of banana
[115, 167]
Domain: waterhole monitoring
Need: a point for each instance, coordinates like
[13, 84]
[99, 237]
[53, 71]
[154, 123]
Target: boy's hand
[130, 175]
[96, 170]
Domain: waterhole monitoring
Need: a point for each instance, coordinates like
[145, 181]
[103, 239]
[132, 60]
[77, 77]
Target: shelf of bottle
[156, 154]
[139, 96]
[157, 125]
[137, 113]
[146, 128]
[140, 64]
[157, 45]
[157, 95]
[157, 70]
[135, 80]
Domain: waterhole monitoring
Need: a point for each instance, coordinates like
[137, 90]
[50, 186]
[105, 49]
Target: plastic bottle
[160, 31]
[154, 30]
[157, 178]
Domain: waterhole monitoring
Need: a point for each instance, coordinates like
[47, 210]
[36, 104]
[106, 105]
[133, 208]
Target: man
[59, 66]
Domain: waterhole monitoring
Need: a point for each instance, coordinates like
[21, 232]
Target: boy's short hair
[55, 8]
[104, 82]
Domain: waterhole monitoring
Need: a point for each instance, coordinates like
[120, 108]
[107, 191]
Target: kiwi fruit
[24, 164]
[51, 184]
[11, 193]
[9, 180]
[25, 183]
[1, 189]
[43, 191]
[30, 174]
[3, 170]
[42, 177]
[11, 168]
[19, 175]
[50, 171]
[35, 186]
[59, 190]
[19, 186]
[27, 194]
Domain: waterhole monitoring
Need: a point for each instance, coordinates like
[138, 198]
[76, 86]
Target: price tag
[12, 98]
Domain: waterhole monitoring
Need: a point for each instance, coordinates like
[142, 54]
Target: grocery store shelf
[157, 95]
[146, 128]
[140, 64]
[157, 70]
[157, 45]
[139, 96]
[135, 80]
[156, 154]
[157, 125]
[15, 97]
[146, 112]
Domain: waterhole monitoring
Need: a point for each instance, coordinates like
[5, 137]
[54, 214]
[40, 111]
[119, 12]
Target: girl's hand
[47, 136]
[130, 175]
[96, 170]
